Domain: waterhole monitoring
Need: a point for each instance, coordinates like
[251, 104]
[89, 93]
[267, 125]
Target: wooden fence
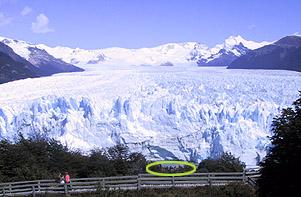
[82, 185]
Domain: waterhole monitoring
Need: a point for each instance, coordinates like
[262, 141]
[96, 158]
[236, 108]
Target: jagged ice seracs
[179, 112]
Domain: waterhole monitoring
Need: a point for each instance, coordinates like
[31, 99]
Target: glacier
[178, 112]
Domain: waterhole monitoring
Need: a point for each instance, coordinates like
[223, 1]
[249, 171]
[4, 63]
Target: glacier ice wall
[164, 113]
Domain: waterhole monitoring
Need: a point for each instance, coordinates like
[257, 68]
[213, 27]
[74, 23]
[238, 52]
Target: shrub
[226, 163]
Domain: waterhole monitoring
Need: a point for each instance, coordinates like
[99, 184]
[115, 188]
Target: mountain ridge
[284, 54]
[14, 67]
[175, 53]
[39, 63]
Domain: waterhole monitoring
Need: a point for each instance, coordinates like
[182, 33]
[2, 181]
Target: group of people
[62, 179]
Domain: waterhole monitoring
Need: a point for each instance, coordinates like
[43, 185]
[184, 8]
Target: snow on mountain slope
[45, 63]
[225, 53]
[236, 40]
[164, 112]
[175, 53]
[20, 47]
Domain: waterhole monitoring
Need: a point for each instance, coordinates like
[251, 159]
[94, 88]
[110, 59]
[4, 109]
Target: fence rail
[81, 185]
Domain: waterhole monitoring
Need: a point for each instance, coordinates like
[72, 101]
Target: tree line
[39, 158]
[31, 159]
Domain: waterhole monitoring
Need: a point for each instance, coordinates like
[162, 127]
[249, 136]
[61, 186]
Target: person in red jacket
[67, 179]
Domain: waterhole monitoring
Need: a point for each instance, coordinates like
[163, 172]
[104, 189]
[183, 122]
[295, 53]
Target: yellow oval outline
[170, 162]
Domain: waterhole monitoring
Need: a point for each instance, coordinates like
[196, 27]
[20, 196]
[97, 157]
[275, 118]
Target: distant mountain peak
[236, 40]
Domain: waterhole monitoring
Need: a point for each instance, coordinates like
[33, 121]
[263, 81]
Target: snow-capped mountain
[45, 63]
[284, 54]
[226, 53]
[14, 67]
[174, 53]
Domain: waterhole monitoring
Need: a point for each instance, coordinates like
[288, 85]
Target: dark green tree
[99, 164]
[280, 170]
[119, 155]
[124, 162]
[226, 163]
[137, 163]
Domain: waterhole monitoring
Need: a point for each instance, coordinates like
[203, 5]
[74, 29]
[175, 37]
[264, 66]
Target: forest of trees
[31, 159]
[38, 158]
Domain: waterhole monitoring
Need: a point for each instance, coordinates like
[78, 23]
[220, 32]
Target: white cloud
[296, 34]
[41, 24]
[26, 10]
[4, 20]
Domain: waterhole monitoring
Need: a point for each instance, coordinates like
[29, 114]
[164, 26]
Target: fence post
[66, 188]
[103, 183]
[10, 188]
[39, 186]
[3, 190]
[210, 183]
[244, 176]
[138, 182]
[209, 179]
[33, 191]
[173, 181]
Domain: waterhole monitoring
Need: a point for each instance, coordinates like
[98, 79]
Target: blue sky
[94, 24]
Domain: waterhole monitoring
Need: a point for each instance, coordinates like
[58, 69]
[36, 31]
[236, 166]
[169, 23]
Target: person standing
[61, 179]
[67, 179]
